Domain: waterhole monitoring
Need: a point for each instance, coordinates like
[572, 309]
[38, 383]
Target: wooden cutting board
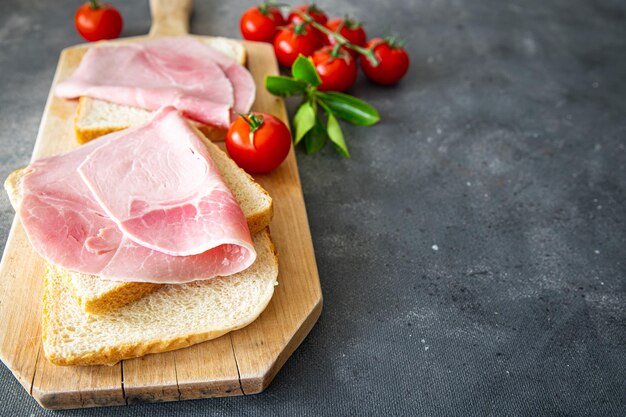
[239, 363]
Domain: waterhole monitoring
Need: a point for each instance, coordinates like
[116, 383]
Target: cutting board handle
[170, 17]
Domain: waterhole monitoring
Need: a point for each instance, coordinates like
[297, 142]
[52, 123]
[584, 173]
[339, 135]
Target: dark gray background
[505, 146]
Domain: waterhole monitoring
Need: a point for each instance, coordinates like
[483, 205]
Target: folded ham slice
[162, 198]
[199, 81]
[162, 189]
[243, 84]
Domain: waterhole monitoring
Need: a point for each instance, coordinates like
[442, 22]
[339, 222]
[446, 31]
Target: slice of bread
[98, 296]
[173, 317]
[95, 118]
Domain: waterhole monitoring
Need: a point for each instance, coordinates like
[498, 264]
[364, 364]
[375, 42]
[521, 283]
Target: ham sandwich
[143, 205]
[202, 83]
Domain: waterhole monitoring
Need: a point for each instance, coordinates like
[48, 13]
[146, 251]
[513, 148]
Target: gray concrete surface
[471, 252]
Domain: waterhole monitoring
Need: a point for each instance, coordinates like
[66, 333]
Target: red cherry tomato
[95, 21]
[261, 23]
[315, 12]
[351, 30]
[295, 40]
[393, 62]
[262, 150]
[338, 73]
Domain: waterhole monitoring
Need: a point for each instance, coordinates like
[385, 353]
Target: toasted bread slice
[173, 317]
[95, 118]
[98, 296]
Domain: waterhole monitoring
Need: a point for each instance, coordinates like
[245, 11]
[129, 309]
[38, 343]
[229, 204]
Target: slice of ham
[241, 80]
[199, 81]
[163, 190]
[66, 225]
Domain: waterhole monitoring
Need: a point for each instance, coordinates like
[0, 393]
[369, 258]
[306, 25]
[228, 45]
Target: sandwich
[96, 117]
[97, 296]
[154, 239]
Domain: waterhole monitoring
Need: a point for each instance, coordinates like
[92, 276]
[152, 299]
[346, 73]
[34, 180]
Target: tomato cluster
[335, 64]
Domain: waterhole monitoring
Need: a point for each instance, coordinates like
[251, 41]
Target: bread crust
[115, 298]
[86, 134]
[114, 354]
[128, 292]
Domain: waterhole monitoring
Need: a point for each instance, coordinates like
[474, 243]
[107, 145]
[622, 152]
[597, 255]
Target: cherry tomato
[95, 21]
[351, 30]
[261, 23]
[338, 73]
[315, 12]
[393, 61]
[295, 40]
[258, 142]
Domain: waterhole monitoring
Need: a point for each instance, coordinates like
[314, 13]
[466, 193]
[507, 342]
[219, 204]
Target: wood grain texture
[170, 17]
[238, 363]
[273, 337]
[76, 386]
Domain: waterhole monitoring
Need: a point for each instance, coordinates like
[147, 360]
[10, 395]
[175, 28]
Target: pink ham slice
[199, 81]
[163, 190]
[241, 80]
[66, 225]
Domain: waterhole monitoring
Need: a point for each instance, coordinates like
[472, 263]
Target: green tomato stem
[94, 4]
[254, 121]
[350, 23]
[265, 7]
[394, 42]
[299, 29]
[341, 40]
